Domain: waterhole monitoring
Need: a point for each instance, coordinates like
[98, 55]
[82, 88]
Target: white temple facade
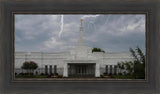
[78, 62]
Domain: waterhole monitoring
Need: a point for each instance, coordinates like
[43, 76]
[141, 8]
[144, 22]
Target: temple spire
[80, 41]
[81, 22]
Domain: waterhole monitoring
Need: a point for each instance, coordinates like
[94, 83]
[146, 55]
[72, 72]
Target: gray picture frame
[9, 86]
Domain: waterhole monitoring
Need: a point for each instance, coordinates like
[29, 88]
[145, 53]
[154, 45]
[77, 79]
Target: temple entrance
[81, 70]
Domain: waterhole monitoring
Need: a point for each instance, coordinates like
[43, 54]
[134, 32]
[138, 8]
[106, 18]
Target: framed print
[79, 47]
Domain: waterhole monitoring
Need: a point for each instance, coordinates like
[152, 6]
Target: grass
[46, 76]
[31, 76]
[118, 76]
[36, 76]
[123, 76]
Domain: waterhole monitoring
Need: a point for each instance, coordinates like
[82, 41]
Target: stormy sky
[111, 32]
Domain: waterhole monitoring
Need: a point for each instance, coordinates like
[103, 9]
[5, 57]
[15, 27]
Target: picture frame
[9, 86]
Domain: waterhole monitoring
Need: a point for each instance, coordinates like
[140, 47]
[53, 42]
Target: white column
[65, 71]
[97, 71]
[109, 69]
[112, 69]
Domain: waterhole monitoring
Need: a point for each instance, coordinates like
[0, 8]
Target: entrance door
[81, 70]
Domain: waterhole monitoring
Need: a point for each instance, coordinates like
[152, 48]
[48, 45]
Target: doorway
[81, 70]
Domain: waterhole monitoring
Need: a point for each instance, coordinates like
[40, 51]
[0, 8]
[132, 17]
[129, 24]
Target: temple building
[80, 61]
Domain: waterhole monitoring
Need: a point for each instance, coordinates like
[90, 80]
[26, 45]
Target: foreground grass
[38, 76]
[46, 76]
[31, 76]
[123, 77]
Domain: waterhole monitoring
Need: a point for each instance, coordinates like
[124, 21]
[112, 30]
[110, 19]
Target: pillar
[106, 71]
[111, 70]
[50, 69]
[115, 69]
[97, 71]
[65, 71]
[46, 69]
[55, 69]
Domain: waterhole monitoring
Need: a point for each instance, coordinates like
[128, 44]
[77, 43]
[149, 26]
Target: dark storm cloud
[117, 32]
[113, 33]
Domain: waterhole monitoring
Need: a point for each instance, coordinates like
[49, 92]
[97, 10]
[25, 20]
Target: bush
[115, 73]
[124, 73]
[21, 73]
[42, 74]
[102, 75]
[26, 73]
[128, 74]
[36, 72]
[30, 66]
[56, 74]
[119, 73]
[60, 76]
[110, 74]
[15, 73]
[31, 73]
[48, 76]
[105, 73]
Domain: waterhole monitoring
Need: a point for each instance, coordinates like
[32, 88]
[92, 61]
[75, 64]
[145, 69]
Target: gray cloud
[113, 33]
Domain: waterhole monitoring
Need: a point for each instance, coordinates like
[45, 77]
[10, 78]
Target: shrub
[102, 75]
[42, 74]
[105, 73]
[56, 74]
[30, 66]
[119, 73]
[21, 73]
[15, 73]
[48, 76]
[60, 76]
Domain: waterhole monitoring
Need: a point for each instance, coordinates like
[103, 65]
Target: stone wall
[58, 59]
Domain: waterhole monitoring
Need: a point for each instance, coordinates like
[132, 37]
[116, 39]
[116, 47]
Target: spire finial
[81, 22]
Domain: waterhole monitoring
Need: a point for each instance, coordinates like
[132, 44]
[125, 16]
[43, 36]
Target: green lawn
[36, 76]
[31, 76]
[123, 76]
[46, 76]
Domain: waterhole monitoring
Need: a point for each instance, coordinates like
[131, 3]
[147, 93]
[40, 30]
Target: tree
[126, 65]
[97, 50]
[129, 67]
[30, 66]
[120, 66]
[139, 62]
[137, 66]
